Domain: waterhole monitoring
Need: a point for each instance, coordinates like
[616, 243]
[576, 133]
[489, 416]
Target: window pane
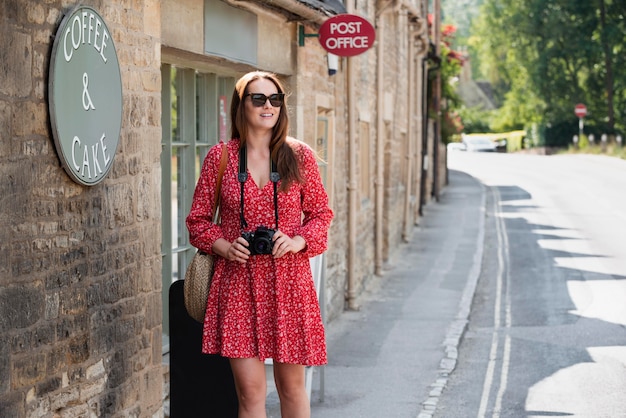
[223, 118]
[176, 268]
[200, 155]
[224, 93]
[202, 112]
[177, 199]
[176, 100]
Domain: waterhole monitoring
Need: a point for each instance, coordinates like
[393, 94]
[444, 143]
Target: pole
[437, 99]
[581, 125]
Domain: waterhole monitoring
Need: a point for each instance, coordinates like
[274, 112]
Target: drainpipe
[422, 117]
[406, 235]
[379, 182]
[437, 102]
[417, 28]
[352, 183]
[424, 154]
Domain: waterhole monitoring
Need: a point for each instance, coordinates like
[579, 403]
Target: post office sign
[347, 35]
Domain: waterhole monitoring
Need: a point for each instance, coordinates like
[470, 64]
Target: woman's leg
[294, 402]
[251, 386]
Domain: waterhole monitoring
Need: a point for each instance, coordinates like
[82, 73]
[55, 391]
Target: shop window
[194, 117]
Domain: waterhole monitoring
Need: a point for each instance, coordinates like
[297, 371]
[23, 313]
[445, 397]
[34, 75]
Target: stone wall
[397, 78]
[80, 300]
[316, 88]
[394, 134]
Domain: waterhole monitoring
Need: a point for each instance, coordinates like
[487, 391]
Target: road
[547, 330]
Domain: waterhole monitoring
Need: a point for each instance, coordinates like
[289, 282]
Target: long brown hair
[280, 150]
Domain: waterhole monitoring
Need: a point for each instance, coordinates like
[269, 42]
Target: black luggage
[201, 385]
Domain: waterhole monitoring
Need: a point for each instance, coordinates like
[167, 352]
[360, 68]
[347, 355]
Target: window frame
[200, 122]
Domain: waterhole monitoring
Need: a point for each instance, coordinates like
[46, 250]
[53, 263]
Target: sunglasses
[259, 99]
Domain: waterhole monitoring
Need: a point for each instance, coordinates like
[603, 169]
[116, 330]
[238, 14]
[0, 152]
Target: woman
[263, 305]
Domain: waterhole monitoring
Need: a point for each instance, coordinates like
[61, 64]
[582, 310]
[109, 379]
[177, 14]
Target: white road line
[493, 352]
[502, 285]
[506, 355]
[484, 400]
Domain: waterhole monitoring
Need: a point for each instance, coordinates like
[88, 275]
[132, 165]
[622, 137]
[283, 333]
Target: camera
[260, 240]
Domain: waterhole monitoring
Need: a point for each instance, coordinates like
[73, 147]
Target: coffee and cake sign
[85, 96]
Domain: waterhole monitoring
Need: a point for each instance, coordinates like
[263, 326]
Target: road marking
[503, 247]
[503, 286]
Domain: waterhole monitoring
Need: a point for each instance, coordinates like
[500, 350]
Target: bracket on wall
[302, 35]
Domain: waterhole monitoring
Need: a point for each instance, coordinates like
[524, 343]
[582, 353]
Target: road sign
[347, 35]
[580, 110]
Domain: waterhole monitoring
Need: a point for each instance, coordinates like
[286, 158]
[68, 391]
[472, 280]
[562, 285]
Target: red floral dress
[266, 308]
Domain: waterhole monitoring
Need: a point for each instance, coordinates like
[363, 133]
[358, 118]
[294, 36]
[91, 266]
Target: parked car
[479, 144]
[456, 146]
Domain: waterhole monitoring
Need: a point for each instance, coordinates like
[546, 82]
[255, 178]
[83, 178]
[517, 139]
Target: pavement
[393, 356]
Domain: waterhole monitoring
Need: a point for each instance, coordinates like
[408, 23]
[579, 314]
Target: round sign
[580, 110]
[347, 35]
[85, 96]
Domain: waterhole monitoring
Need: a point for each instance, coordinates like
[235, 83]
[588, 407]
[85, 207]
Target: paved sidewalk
[391, 358]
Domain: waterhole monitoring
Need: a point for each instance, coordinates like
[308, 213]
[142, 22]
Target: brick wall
[80, 300]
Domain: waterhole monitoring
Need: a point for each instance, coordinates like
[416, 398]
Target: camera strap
[243, 176]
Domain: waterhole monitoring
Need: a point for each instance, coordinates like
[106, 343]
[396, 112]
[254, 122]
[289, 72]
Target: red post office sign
[347, 35]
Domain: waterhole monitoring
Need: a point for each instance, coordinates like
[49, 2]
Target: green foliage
[515, 143]
[585, 147]
[544, 56]
[449, 70]
[475, 120]
[460, 13]
[561, 134]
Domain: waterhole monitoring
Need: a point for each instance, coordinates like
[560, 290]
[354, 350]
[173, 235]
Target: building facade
[86, 269]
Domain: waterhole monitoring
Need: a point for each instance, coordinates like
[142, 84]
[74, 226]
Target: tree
[544, 56]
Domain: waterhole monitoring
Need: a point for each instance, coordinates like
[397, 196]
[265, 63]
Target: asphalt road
[547, 330]
[509, 301]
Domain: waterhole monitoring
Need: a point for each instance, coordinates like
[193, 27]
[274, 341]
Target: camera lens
[262, 246]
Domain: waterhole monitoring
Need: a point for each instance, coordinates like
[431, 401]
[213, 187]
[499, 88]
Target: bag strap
[220, 175]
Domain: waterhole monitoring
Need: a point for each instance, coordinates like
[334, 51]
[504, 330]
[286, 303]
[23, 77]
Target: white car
[456, 146]
[479, 144]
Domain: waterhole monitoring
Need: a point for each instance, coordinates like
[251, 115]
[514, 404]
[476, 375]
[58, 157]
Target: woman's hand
[232, 251]
[283, 244]
[238, 250]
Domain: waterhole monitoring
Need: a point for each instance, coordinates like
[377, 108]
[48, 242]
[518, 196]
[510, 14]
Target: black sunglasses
[259, 99]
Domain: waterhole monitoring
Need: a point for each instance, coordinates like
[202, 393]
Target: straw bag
[199, 274]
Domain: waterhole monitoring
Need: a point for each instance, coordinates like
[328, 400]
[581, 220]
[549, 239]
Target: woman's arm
[202, 231]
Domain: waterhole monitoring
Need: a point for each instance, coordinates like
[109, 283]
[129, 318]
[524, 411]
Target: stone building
[85, 268]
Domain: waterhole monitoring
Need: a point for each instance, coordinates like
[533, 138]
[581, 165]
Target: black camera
[260, 240]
